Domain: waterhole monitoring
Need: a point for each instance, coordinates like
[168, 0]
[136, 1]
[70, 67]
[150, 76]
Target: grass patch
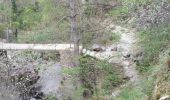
[131, 93]
[153, 42]
[46, 35]
[111, 76]
[71, 71]
[118, 11]
[78, 93]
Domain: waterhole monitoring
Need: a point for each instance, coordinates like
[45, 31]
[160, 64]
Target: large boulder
[24, 79]
[26, 74]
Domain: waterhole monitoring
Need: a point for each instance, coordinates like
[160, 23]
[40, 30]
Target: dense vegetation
[98, 78]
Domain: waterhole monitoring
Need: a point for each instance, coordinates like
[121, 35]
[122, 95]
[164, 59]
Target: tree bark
[74, 36]
[14, 17]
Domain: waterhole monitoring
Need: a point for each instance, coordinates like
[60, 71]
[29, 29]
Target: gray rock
[98, 48]
[167, 97]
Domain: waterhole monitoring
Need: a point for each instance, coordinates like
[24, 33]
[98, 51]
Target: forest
[84, 50]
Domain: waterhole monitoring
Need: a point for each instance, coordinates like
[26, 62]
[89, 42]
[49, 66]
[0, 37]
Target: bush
[28, 17]
[88, 72]
[94, 72]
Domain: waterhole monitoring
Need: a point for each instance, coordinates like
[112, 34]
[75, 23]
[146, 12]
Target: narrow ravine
[123, 55]
[125, 47]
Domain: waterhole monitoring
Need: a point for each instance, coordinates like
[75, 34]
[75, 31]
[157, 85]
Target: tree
[15, 15]
[74, 30]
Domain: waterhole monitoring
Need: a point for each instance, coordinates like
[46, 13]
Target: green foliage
[111, 81]
[28, 17]
[93, 71]
[153, 42]
[43, 11]
[108, 38]
[2, 28]
[51, 11]
[144, 66]
[147, 85]
[88, 72]
[46, 35]
[104, 38]
[131, 93]
[118, 12]
[41, 22]
[78, 93]
[71, 71]
[111, 76]
[24, 17]
[131, 3]
[89, 11]
[127, 7]
[14, 10]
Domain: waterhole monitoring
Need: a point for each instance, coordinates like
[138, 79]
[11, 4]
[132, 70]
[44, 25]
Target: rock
[32, 99]
[86, 94]
[3, 53]
[126, 78]
[114, 49]
[24, 78]
[36, 93]
[26, 73]
[97, 48]
[167, 97]
[126, 56]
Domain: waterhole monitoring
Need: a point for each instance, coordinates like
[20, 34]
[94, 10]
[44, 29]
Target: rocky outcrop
[6, 88]
[24, 79]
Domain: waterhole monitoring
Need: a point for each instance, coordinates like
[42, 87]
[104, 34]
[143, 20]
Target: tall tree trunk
[74, 31]
[14, 17]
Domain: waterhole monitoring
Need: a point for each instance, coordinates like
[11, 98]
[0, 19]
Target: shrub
[28, 17]
[93, 72]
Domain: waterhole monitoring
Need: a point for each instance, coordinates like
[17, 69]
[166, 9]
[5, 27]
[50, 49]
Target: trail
[124, 48]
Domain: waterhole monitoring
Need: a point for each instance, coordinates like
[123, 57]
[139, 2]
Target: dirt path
[124, 48]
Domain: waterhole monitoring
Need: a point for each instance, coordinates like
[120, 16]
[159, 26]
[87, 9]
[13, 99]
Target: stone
[167, 97]
[127, 56]
[97, 48]
[87, 94]
[24, 75]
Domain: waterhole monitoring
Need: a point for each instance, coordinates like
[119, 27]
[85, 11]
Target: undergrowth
[153, 42]
[97, 77]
